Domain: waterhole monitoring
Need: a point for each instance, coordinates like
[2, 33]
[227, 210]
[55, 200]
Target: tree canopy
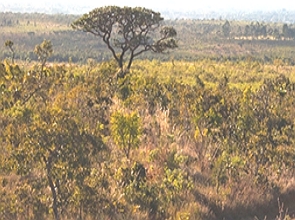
[128, 32]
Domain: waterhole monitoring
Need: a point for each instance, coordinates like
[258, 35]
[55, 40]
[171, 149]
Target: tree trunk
[54, 196]
[81, 211]
[52, 187]
[130, 60]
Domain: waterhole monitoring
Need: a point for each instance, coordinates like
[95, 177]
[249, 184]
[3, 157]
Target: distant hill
[280, 15]
[51, 8]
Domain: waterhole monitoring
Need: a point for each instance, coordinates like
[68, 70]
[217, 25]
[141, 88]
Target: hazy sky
[170, 4]
[191, 4]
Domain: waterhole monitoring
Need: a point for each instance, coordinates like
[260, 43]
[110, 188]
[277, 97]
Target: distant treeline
[280, 16]
[215, 38]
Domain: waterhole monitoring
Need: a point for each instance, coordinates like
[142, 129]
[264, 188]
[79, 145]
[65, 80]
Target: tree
[126, 131]
[247, 31]
[42, 135]
[226, 28]
[9, 44]
[127, 32]
[43, 51]
[286, 31]
[263, 31]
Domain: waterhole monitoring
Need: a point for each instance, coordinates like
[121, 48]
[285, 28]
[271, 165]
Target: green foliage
[139, 193]
[174, 182]
[126, 131]
[227, 168]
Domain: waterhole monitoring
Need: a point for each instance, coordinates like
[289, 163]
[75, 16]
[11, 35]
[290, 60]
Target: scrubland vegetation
[206, 132]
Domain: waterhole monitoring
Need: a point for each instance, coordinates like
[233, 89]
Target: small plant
[43, 51]
[126, 131]
[9, 44]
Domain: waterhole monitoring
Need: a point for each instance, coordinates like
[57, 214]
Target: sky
[211, 4]
[175, 5]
